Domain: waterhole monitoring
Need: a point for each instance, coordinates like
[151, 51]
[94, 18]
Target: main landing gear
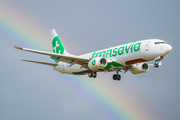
[117, 76]
[92, 74]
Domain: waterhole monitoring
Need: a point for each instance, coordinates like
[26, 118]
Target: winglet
[14, 45]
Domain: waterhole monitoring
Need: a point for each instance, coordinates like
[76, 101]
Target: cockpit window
[159, 43]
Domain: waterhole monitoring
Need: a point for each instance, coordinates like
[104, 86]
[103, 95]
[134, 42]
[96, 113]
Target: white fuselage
[127, 54]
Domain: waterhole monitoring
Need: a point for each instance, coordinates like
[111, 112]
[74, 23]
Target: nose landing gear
[156, 65]
[158, 62]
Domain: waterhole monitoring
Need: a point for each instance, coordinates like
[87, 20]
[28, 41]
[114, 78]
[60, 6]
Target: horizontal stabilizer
[44, 63]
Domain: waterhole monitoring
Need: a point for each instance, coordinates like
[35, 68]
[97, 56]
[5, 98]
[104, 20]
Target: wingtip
[14, 45]
[12, 41]
[23, 60]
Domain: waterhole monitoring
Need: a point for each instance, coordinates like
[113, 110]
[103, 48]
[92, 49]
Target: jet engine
[97, 64]
[139, 68]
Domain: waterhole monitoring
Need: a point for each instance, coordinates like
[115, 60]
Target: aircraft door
[147, 46]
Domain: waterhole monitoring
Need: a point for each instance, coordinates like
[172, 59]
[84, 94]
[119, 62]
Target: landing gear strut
[92, 74]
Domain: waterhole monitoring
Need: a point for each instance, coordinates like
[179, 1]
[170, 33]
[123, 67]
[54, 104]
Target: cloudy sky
[31, 91]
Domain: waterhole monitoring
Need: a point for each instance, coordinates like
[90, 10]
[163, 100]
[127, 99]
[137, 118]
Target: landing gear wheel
[156, 65]
[118, 77]
[94, 74]
[90, 74]
[114, 77]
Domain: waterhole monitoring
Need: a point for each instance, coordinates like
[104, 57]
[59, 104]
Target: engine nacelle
[139, 68]
[97, 64]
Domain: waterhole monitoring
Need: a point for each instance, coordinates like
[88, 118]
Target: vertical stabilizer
[57, 45]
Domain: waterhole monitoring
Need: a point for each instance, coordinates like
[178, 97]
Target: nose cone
[167, 48]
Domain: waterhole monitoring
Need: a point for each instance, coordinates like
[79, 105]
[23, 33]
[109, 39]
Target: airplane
[128, 57]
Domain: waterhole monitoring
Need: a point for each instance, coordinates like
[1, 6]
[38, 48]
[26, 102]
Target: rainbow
[110, 98]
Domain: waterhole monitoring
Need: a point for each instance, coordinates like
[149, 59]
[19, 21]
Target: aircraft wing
[72, 59]
[44, 63]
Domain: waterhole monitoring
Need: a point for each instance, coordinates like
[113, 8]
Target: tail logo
[57, 46]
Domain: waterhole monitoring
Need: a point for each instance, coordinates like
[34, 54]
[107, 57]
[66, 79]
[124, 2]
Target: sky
[32, 91]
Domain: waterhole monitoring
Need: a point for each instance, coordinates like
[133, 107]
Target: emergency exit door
[147, 45]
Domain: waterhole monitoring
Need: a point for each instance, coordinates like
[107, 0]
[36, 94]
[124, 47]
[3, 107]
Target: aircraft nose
[168, 47]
